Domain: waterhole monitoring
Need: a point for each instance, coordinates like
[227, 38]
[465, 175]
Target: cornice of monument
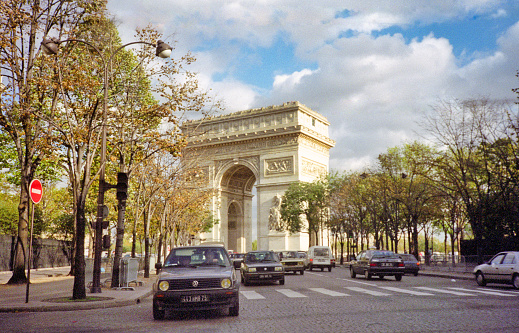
[292, 131]
[273, 109]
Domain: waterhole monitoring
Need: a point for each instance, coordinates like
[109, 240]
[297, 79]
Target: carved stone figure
[275, 222]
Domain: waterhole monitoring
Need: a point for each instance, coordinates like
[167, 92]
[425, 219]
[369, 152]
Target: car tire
[415, 274]
[515, 281]
[302, 272]
[244, 281]
[352, 273]
[158, 314]
[381, 277]
[310, 267]
[480, 279]
[329, 268]
[369, 276]
[235, 310]
[282, 282]
[398, 277]
[322, 269]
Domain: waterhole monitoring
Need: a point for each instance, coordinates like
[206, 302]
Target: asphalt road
[313, 302]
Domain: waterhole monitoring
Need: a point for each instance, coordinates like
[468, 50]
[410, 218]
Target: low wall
[46, 252]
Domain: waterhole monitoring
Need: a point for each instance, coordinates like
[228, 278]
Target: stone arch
[267, 148]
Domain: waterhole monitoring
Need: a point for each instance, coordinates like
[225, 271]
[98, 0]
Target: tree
[26, 93]
[304, 206]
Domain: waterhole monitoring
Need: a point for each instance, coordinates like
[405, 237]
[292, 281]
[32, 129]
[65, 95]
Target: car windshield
[290, 255]
[192, 257]
[253, 257]
[321, 252]
[384, 254]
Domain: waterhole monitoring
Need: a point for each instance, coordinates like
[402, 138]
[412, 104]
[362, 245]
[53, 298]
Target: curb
[48, 306]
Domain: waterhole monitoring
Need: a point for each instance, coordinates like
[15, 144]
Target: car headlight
[279, 269]
[164, 285]
[226, 283]
[252, 269]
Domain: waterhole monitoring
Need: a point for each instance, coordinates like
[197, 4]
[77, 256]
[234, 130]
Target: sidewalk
[50, 286]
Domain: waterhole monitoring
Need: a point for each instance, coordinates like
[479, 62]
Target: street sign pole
[36, 193]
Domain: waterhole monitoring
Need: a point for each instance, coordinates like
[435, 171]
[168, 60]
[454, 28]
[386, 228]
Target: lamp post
[50, 46]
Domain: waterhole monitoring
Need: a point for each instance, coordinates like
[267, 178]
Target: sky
[372, 68]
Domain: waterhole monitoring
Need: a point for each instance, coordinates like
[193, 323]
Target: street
[314, 302]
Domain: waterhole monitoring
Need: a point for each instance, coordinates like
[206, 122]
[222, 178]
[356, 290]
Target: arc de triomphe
[269, 148]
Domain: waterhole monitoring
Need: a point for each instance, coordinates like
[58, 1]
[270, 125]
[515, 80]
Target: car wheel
[330, 269]
[398, 277]
[244, 281]
[322, 269]
[369, 276]
[480, 279]
[352, 273]
[282, 282]
[415, 274]
[158, 314]
[381, 277]
[235, 310]
[301, 272]
[515, 281]
[310, 267]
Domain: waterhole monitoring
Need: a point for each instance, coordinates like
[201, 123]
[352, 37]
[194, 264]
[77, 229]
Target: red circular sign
[35, 191]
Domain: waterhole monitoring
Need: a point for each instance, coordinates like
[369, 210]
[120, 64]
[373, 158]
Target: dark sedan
[412, 266]
[261, 266]
[196, 278]
[378, 263]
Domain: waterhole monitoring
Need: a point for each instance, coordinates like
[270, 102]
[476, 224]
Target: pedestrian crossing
[377, 291]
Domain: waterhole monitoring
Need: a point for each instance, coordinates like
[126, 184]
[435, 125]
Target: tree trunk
[21, 246]
[119, 242]
[79, 290]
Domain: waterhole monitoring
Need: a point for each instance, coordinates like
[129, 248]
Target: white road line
[452, 292]
[251, 294]
[405, 291]
[484, 291]
[367, 291]
[328, 292]
[360, 282]
[290, 293]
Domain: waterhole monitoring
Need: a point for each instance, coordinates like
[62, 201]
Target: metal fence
[456, 263]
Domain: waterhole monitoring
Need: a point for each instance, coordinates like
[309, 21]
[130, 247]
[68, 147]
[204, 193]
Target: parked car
[412, 265]
[502, 268]
[320, 257]
[196, 278]
[293, 261]
[262, 266]
[379, 263]
[237, 259]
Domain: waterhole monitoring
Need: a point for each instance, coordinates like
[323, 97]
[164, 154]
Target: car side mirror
[158, 266]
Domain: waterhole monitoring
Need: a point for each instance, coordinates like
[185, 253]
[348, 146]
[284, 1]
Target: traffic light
[106, 242]
[122, 186]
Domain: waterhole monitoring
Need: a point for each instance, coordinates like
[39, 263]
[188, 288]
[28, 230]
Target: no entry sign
[35, 191]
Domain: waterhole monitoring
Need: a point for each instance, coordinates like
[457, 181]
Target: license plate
[195, 298]
[265, 276]
[321, 260]
[386, 264]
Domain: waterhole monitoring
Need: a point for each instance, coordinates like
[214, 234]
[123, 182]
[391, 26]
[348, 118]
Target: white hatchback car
[502, 268]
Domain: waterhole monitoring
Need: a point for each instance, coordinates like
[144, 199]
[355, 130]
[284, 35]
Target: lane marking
[367, 291]
[360, 282]
[290, 293]
[249, 294]
[328, 292]
[405, 291]
[484, 291]
[457, 293]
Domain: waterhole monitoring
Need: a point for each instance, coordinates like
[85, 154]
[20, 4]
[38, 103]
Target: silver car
[502, 268]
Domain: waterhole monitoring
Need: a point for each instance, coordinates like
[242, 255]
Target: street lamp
[50, 46]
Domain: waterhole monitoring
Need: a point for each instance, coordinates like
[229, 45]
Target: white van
[320, 257]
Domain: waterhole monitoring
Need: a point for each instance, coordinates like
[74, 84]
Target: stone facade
[269, 148]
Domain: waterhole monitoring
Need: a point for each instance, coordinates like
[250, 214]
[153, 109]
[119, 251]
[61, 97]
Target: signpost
[36, 193]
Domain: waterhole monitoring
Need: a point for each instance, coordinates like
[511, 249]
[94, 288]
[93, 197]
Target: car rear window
[321, 252]
[384, 254]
